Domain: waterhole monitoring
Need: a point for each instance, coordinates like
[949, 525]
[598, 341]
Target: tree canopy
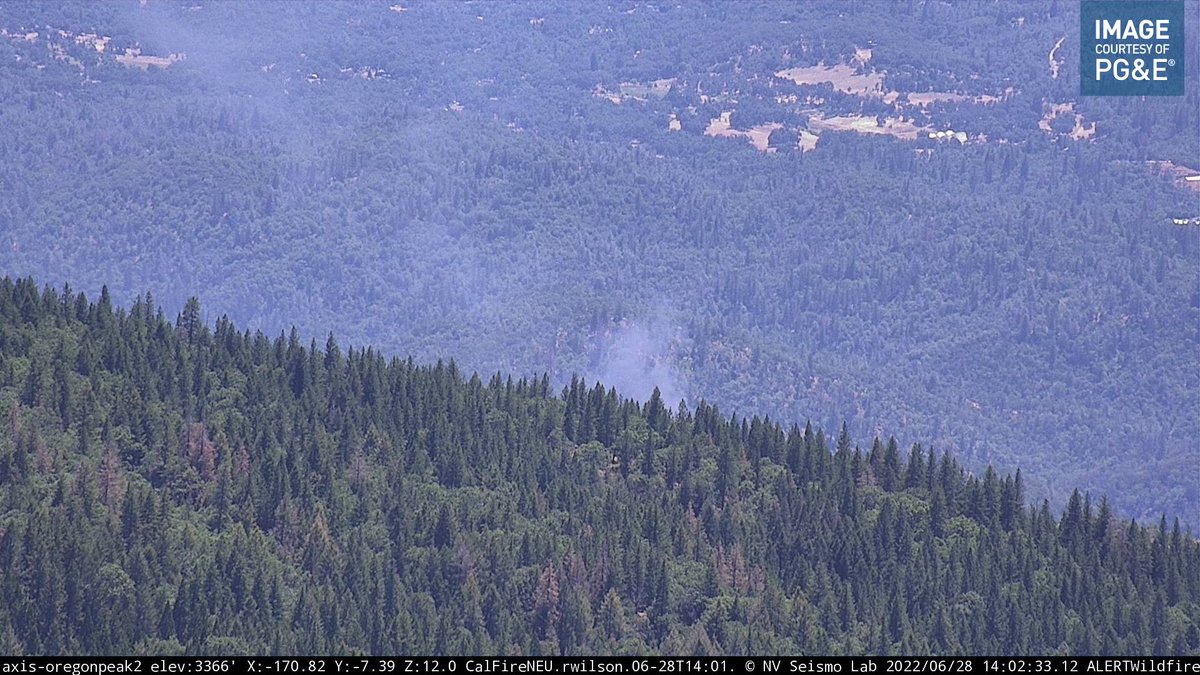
[192, 487]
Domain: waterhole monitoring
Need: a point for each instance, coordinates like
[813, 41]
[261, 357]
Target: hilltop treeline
[445, 181]
[170, 487]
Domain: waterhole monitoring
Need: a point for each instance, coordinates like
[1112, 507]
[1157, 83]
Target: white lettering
[1146, 29]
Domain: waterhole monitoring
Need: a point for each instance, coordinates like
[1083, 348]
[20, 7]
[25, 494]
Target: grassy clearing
[842, 77]
[133, 58]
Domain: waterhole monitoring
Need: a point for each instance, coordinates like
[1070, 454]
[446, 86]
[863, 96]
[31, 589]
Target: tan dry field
[637, 90]
[842, 77]
[902, 129]
[758, 135]
[1078, 133]
[1178, 173]
[133, 58]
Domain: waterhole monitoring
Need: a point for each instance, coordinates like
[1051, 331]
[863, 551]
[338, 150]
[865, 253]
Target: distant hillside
[897, 214]
[171, 487]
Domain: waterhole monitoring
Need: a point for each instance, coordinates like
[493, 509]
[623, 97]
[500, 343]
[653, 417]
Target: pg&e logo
[1131, 48]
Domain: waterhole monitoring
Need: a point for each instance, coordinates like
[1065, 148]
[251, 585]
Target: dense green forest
[167, 487]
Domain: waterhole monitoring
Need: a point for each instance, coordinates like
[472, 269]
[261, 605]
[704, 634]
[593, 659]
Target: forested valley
[456, 181]
[538, 188]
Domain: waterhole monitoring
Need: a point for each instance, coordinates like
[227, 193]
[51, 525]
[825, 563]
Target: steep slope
[167, 487]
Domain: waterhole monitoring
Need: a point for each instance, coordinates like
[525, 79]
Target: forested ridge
[171, 487]
[500, 183]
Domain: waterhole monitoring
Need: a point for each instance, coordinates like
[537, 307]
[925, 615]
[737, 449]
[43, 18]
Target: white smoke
[639, 356]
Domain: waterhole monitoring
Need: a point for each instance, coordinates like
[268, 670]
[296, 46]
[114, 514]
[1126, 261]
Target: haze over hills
[900, 215]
